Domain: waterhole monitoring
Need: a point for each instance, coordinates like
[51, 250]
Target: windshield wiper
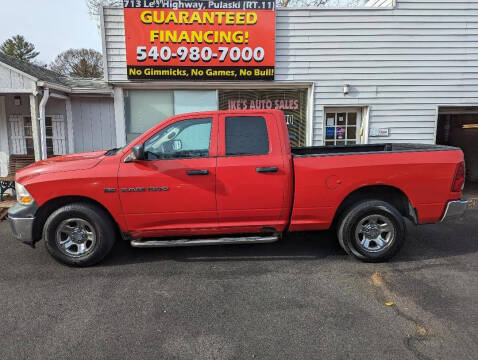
[113, 151]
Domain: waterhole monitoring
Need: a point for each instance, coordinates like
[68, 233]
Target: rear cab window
[246, 135]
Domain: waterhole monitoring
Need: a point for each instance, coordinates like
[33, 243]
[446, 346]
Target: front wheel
[79, 234]
[372, 230]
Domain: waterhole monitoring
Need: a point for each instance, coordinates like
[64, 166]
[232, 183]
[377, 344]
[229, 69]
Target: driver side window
[183, 139]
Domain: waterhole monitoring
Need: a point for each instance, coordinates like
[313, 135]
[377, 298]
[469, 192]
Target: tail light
[459, 180]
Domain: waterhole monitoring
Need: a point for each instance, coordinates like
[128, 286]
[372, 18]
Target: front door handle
[197, 172]
[268, 169]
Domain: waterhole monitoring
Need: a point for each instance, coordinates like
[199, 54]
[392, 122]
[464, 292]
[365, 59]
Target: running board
[199, 242]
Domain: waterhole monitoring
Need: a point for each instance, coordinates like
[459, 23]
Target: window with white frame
[342, 127]
[28, 133]
[22, 135]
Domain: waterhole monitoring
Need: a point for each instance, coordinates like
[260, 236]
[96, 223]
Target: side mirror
[138, 152]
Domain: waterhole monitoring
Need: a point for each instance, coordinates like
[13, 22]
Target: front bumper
[21, 218]
[454, 209]
[22, 229]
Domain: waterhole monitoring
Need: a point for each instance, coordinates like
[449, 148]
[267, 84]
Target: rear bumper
[454, 209]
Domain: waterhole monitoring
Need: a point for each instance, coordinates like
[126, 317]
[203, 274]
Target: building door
[343, 126]
[55, 135]
[458, 126]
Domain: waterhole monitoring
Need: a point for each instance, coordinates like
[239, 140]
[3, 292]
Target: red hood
[79, 161]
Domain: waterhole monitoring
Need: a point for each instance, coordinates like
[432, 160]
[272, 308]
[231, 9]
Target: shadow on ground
[457, 237]
[297, 246]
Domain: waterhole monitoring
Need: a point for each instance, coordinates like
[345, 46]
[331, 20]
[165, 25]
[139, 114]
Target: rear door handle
[268, 169]
[197, 172]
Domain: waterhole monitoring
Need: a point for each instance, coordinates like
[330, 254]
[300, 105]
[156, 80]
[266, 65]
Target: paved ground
[301, 298]
[471, 193]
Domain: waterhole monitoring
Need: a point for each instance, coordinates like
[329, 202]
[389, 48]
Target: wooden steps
[4, 206]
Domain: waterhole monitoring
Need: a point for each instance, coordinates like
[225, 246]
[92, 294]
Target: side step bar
[199, 242]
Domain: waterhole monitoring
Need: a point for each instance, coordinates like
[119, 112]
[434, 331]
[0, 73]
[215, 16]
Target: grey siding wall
[401, 62]
[114, 42]
[12, 109]
[93, 124]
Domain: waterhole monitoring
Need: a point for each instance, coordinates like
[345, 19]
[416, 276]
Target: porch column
[4, 152]
[69, 125]
[41, 111]
[35, 130]
[119, 116]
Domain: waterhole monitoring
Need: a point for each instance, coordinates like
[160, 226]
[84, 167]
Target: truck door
[252, 179]
[172, 191]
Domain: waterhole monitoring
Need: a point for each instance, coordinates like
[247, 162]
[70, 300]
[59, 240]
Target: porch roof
[38, 72]
[46, 77]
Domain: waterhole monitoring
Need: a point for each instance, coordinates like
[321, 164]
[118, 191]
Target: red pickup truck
[231, 177]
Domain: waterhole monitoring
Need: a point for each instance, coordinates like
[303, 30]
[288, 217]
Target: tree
[40, 63]
[18, 47]
[84, 63]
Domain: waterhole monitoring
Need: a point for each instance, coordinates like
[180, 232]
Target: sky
[52, 26]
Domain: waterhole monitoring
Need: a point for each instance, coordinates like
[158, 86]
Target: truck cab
[225, 172]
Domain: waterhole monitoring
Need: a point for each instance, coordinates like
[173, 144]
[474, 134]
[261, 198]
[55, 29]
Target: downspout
[42, 107]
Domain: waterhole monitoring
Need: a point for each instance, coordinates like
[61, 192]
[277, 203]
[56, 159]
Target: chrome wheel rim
[75, 237]
[375, 233]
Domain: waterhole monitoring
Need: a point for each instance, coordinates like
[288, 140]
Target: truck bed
[366, 149]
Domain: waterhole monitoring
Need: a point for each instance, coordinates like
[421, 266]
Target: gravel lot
[302, 298]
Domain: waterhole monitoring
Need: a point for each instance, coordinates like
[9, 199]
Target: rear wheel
[372, 230]
[79, 234]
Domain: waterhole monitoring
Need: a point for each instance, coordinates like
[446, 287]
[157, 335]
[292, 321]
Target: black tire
[97, 225]
[358, 240]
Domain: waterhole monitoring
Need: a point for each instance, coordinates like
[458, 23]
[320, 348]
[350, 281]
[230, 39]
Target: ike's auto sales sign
[200, 40]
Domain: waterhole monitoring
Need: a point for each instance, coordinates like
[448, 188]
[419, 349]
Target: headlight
[23, 196]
